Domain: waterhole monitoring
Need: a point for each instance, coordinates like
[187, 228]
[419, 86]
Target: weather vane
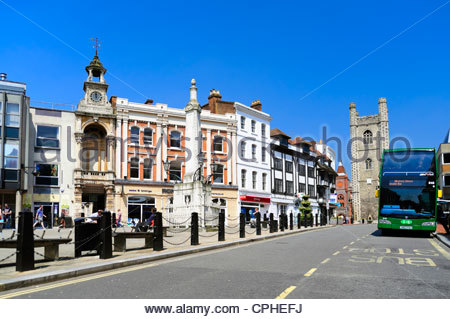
[96, 45]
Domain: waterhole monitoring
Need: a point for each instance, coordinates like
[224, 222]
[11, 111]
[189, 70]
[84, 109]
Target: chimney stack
[149, 101]
[256, 105]
[3, 76]
[214, 96]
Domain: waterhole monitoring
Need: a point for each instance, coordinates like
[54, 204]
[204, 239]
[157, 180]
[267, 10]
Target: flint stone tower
[369, 136]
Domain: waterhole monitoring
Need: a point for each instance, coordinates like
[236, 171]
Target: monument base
[193, 197]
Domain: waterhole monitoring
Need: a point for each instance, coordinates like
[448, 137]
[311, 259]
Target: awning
[255, 199]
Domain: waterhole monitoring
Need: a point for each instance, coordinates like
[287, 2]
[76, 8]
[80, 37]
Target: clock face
[96, 96]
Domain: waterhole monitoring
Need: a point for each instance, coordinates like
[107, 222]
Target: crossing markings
[345, 247]
[286, 292]
[439, 249]
[325, 261]
[352, 243]
[336, 253]
[310, 272]
[75, 281]
[357, 239]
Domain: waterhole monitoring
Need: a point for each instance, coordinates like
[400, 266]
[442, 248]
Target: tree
[306, 210]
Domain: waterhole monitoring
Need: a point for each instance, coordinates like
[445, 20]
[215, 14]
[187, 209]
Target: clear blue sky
[277, 52]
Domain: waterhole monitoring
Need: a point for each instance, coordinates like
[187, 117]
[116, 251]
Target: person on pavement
[7, 214]
[40, 217]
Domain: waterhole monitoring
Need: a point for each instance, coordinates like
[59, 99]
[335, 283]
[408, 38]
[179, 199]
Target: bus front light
[428, 224]
[384, 221]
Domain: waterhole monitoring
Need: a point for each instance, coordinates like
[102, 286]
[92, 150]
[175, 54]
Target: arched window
[94, 156]
[367, 137]
[175, 171]
[134, 135]
[148, 163]
[341, 197]
[217, 143]
[218, 174]
[368, 163]
[175, 139]
[148, 136]
[134, 167]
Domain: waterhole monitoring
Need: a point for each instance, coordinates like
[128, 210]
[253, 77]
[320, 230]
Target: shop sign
[256, 199]
[139, 191]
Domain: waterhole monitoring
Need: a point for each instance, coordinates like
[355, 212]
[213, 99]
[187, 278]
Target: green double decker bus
[408, 190]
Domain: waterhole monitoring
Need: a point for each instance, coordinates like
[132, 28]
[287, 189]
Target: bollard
[158, 233]
[286, 221]
[271, 223]
[317, 220]
[13, 220]
[105, 236]
[258, 223]
[291, 221]
[194, 229]
[242, 226]
[221, 226]
[281, 218]
[275, 227]
[25, 242]
[114, 221]
[299, 221]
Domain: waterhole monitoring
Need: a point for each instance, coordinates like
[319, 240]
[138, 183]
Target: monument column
[193, 132]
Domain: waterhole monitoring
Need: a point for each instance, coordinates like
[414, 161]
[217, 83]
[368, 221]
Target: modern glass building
[14, 106]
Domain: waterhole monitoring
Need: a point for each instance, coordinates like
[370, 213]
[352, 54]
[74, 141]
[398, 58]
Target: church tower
[95, 144]
[369, 136]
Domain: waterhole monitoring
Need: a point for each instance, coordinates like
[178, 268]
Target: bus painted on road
[408, 190]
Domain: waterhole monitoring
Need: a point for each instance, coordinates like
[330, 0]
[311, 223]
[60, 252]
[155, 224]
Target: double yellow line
[75, 281]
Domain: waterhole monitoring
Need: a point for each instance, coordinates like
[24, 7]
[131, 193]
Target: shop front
[136, 200]
[250, 203]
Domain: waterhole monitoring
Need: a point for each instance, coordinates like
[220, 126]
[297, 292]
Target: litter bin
[87, 236]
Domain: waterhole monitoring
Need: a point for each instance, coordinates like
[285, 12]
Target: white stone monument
[193, 194]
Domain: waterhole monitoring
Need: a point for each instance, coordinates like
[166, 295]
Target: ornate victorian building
[95, 130]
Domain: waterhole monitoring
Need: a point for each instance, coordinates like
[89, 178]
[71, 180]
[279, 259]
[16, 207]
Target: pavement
[442, 235]
[177, 243]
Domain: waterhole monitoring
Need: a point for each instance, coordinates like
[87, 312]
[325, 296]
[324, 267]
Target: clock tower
[95, 99]
[95, 145]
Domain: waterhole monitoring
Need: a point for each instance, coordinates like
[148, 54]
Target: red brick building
[343, 191]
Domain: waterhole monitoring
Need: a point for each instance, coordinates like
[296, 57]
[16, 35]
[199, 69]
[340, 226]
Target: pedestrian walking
[62, 219]
[40, 217]
[2, 222]
[119, 218]
[7, 214]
